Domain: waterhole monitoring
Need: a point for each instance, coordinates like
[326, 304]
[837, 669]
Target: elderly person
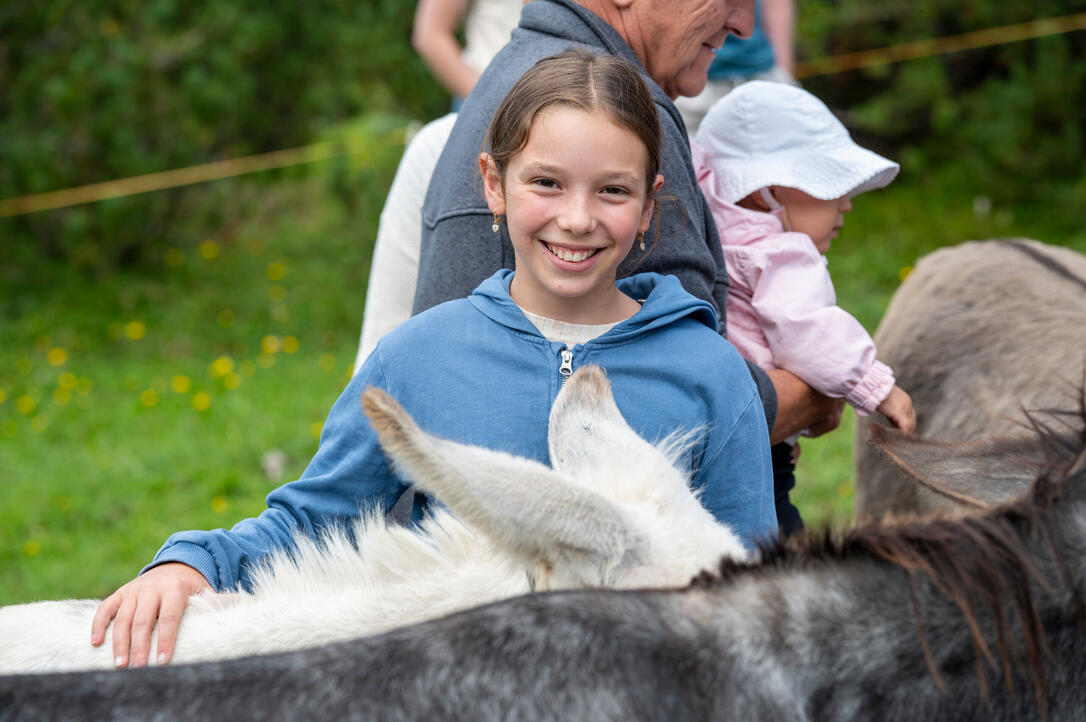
[674, 42]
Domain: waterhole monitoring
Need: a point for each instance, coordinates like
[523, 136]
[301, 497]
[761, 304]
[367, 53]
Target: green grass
[106, 446]
[102, 457]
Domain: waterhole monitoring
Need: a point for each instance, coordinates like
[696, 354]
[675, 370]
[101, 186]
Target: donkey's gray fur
[976, 617]
[976, 334]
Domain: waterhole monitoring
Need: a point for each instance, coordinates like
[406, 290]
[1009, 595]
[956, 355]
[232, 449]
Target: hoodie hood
[663, 301]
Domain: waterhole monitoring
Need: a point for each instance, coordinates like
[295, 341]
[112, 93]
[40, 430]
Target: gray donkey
[966, 617]
[977, 333]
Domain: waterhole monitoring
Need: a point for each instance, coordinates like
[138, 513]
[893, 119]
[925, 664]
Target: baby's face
[817, 218]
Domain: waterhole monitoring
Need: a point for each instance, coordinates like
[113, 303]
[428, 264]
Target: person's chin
[693, 78]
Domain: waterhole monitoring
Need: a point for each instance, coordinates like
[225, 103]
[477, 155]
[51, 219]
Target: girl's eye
[545, 183]
[615, 190]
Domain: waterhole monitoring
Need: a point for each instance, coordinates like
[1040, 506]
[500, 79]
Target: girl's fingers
[122, 631]
[102, 617]
[143, 623]
[169, 619]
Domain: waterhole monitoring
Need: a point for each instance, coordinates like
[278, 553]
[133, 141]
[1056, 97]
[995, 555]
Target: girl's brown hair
[582, 80]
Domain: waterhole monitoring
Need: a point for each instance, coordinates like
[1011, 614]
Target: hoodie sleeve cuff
[191, 554]
[872, 390]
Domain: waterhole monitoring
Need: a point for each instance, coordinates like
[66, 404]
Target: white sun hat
[765, 134]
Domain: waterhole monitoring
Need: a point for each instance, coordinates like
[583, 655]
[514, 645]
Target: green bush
[1007, 117]
[105, 90]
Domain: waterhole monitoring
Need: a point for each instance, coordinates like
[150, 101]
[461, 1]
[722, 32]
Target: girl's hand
[898, 407]
[156, 596]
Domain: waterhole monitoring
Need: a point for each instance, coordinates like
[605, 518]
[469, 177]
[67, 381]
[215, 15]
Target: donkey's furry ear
[522, 505]
[979, 473]
[588, 437]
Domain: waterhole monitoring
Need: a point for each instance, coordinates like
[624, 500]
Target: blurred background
[168, 357]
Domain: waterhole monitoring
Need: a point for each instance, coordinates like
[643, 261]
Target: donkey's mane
[980, 559]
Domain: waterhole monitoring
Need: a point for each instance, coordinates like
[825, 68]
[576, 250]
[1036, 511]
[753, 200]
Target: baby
[779, 172]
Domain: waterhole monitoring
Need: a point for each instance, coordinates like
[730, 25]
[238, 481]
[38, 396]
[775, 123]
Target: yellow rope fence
[940, 46]
[331, 149]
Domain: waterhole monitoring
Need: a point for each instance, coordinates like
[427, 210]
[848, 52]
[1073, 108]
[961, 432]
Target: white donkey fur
[612, 512]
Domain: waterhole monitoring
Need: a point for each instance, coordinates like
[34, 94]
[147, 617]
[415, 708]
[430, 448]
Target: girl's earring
[496, 225]
[641, 240]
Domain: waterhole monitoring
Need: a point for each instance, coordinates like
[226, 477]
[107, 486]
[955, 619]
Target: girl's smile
[574, 197]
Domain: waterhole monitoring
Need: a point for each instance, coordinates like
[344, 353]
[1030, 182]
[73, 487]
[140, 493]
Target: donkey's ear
[588, 437]
[522, 505]
[979, 473]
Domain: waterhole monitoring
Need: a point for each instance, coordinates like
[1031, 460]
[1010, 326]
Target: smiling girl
[571, 166]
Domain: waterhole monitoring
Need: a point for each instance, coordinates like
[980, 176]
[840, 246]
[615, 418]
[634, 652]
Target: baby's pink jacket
[782, 310]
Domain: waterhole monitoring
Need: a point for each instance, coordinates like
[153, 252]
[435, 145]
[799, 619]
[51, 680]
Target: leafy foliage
[90, 92]
[1006, 116]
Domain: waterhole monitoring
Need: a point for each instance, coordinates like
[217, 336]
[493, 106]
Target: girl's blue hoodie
[477, 371]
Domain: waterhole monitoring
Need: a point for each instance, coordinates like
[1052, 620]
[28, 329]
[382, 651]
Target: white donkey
[614, 511]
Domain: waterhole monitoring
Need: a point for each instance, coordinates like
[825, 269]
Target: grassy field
[139, 404]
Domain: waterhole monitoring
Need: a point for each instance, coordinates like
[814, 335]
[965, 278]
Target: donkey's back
[977, 333]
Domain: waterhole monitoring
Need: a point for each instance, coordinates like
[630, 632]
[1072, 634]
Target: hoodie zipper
[566, 367]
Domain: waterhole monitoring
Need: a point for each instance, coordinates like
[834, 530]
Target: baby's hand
[898, 407]
[156, 596]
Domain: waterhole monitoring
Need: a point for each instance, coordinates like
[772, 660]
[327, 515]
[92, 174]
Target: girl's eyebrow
[618, 176]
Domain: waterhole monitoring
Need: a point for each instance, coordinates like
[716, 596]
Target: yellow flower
[315, 429]
[201, 401]
[221, 366]
[31, 547]
[57, 356]
[904, 273]
[270, 344]
[290, 344]
[180, 384]
[61, 396]
[68, 381]
[327, 362]
[26, 404]
[232, 380]
[148, 397]
[265, 360]
[135, 330]
[276, 271]
[209, 250]
[218, 504]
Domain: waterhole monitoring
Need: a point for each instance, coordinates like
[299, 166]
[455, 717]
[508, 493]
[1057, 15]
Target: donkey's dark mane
[980, 559]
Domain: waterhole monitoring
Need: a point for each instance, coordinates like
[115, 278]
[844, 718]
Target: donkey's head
[614, 511]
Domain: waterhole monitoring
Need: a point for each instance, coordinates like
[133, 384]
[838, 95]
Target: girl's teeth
[567, 255]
